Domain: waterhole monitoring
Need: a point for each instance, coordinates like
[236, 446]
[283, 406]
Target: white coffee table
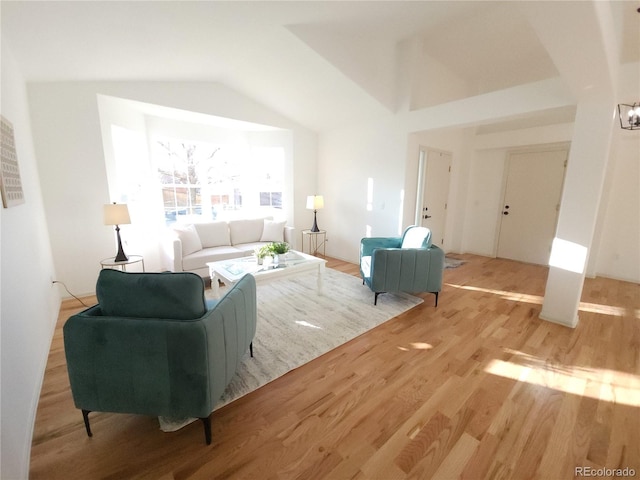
[295, 263]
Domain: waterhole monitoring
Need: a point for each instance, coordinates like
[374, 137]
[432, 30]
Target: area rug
[296, 325]
[452, 262]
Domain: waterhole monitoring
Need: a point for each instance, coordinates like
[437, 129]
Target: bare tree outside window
[182, 176]
[200, 179]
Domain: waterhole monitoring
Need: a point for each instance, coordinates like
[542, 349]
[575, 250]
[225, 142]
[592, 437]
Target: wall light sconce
[629, 116]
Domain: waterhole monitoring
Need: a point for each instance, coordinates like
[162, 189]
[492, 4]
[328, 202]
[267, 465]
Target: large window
[201, 180]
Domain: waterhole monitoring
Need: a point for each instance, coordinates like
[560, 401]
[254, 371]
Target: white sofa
[190, 247]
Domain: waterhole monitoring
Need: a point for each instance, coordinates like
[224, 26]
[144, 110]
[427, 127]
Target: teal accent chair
[410, 263]
[154, 346]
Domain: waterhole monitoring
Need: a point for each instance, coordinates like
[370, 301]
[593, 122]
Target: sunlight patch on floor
[537, 300]
[514, 296]
[416, 346]
[604, 309]
[598, 383]
[421, 346]
[307, 324]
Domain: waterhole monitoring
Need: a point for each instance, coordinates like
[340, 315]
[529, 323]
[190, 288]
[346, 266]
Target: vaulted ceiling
[319, 63]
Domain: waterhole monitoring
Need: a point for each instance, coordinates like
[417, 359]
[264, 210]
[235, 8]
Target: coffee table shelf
[294, 263]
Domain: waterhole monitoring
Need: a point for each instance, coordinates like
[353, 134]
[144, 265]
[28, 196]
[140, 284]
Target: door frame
[547, 147]
[422, 172]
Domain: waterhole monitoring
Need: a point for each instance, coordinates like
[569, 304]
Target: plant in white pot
[262, 252]
[279, 250]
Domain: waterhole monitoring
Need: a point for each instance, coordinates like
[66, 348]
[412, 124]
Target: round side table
[111, 262]
[316, 241]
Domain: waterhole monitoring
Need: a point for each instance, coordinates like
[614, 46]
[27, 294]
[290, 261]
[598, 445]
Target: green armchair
[154, 346]
[410, 263]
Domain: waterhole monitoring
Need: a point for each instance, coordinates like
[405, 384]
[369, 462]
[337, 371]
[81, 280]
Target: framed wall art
[10, 183]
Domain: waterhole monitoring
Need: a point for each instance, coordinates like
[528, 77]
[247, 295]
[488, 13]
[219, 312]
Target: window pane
[218, 181]
[181, 196]
[276, 199]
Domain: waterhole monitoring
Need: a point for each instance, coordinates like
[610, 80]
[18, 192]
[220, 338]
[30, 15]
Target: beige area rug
[296, 325]
[452, 262]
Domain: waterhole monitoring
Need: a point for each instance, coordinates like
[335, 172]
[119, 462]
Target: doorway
[434, 171]
[531, 204]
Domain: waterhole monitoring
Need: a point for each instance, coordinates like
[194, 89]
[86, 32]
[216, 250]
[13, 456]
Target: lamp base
[120, 256]
[315, 228]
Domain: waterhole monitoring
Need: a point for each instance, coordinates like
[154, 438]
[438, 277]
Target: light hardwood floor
[476, 388]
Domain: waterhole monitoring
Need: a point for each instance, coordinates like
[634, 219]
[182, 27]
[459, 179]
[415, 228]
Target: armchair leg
[375, 299]
[85, 416]
[207, 429]
[251, 349]
[436, 294]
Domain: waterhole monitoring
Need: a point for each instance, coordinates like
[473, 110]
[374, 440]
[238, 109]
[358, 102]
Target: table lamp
[117, 214]
[315, 203]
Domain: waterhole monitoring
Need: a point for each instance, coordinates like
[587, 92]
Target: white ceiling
[315, 62]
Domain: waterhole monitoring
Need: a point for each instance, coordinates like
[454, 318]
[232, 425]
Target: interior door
[531, 205]
[435, 193]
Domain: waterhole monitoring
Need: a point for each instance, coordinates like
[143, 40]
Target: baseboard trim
[549, 318]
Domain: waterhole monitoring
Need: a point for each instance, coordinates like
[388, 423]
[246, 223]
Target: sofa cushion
[200, 258]
[272, 231]
[189, 238]
[249, 248]
[178, 296]
[213, 234]
[246, 231]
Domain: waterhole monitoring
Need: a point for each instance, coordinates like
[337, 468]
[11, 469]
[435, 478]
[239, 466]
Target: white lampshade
[315, 202]
[116, 214]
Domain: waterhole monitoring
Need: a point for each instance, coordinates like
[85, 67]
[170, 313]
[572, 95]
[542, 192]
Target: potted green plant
[278, 249]
[261, 252]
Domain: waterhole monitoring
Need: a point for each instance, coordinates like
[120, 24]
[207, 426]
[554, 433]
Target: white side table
[316, 240]
[111, 262]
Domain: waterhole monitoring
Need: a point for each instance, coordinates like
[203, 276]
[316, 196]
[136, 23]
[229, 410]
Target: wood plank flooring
[476, 388]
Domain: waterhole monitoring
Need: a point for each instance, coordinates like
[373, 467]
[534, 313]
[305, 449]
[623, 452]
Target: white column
[580, 38]
[579, 210]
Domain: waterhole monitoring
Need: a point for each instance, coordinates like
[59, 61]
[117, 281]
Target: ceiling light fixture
[629, 116]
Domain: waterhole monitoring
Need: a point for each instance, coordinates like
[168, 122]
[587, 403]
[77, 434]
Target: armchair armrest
[368, 244]
[290, 237]
[172, 251]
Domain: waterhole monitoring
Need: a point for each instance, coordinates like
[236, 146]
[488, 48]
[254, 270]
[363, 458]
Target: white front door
[531, 205]
[433, 214]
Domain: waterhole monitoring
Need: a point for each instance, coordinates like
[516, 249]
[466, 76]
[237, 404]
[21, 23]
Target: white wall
[616, 246]
[140, 236]
[618, 230]
[348, 157]
[619, 239]
[68, 142]
[30, 303]
[351, 160]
